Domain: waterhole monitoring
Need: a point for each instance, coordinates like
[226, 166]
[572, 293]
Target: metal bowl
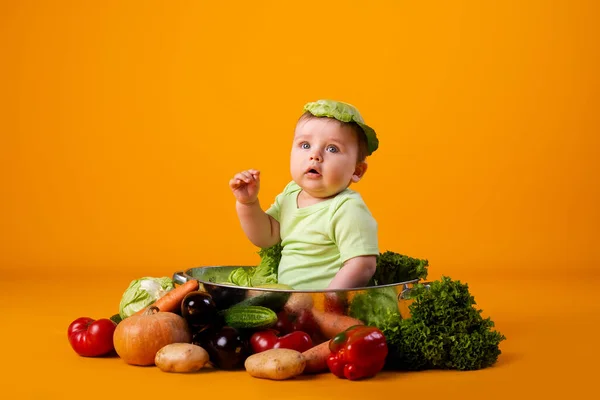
[212, 280]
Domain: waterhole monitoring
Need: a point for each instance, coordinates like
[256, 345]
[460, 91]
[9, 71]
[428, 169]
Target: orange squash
[138, 338]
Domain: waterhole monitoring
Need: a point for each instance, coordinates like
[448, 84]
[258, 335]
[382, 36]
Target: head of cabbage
[143, 292]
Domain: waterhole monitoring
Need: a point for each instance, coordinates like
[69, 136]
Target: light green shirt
[319, 238]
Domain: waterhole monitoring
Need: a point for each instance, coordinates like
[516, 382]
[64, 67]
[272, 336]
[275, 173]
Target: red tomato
[91, 338]
[263, 340]
[266, 340]
[305, 322]
[284, 323]
[299, 341]
[290, 322]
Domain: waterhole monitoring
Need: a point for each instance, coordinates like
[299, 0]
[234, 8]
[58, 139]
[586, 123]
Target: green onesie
[319, 238]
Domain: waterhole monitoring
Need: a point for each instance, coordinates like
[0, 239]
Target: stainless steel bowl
[212, 278]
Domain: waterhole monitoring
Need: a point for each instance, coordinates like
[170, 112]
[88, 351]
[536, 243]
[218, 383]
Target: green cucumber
[116, 319]
[250, 317]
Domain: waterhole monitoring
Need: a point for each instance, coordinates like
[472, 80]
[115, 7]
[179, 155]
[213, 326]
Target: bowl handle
[405, 293]
[180, 277]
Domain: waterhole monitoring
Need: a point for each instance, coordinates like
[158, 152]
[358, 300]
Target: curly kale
[395, 268]
[401, 340]
[444, 331]
[263, 273]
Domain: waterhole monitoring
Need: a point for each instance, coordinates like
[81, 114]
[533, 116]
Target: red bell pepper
[266, 340]
[358, 352]
[90, 337]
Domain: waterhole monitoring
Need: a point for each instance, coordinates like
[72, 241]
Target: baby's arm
[260, 228]
[356, 272]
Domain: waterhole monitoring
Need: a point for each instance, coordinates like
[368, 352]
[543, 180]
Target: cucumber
[250, 317]
[273, 300]
[116, 319]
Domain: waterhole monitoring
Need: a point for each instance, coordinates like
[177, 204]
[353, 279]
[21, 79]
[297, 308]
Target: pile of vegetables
[281, 334]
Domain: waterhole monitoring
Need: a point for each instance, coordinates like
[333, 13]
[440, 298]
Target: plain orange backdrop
[122, 122]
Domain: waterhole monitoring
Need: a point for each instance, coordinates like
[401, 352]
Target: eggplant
[199, 311]
[225, 296]
[227, 347]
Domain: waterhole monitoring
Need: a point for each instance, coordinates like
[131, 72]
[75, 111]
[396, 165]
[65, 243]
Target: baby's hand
[245, 186]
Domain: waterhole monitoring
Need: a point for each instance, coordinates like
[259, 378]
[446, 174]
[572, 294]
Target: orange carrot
[171, 301]
[316, 358]
[331, 324]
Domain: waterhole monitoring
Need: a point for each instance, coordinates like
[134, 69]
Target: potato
[181, 357]
[277, 364]
[298, 302]
[253, 293]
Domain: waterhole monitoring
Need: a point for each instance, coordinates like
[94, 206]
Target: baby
[328, 235]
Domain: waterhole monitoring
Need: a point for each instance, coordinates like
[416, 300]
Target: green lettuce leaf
[143, 292]
[264, 273]
[375, 306]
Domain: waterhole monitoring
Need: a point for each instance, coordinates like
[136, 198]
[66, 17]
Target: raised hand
[245, 186]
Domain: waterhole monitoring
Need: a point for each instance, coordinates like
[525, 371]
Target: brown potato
[276, 364]
[253, 293]
[181, 357]
[298, 302]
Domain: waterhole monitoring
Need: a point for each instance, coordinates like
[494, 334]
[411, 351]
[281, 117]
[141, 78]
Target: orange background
[122, 122]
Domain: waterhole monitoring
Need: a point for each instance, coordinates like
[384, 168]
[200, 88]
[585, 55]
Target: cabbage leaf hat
[343, 112]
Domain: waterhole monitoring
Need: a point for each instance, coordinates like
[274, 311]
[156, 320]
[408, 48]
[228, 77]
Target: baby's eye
[332, 149]
[305, 145]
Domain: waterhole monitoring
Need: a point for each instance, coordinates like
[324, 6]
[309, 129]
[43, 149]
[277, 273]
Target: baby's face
[324, 155]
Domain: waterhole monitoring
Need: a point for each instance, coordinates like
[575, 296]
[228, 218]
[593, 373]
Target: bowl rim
[188, 276]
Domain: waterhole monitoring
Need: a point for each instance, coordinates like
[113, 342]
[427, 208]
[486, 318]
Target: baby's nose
[316, 156]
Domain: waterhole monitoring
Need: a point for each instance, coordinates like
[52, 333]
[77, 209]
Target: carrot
[316, 358]
[331, 324]
[171, 301]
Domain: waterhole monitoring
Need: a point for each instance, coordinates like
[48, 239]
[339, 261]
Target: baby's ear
[359, 171]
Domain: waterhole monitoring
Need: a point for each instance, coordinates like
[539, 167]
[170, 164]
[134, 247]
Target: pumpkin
[138, 338]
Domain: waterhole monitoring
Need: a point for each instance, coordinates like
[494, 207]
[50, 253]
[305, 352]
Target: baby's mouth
[313, 172]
